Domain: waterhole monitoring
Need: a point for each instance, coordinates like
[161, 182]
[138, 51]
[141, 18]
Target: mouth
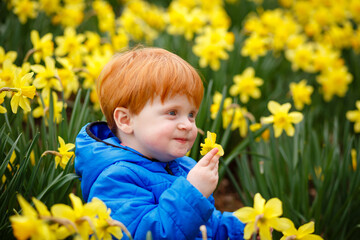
[181, 140]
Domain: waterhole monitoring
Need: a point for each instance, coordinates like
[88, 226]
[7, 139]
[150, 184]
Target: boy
[136, 161]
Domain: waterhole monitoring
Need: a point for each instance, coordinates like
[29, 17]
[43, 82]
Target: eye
[172, 113]
[192, 115]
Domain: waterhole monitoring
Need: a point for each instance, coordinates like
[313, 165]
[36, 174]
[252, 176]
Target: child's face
[165, 131]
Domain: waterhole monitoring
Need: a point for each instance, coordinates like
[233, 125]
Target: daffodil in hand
[281, 118]
[303, 233]
[262, 217]
[210, 144]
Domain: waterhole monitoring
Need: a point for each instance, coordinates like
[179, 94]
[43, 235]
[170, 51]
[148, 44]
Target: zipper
[167, 168]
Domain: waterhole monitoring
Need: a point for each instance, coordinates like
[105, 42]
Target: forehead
[181, 101]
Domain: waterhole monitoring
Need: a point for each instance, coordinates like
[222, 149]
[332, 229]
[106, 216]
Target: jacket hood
[97, 148]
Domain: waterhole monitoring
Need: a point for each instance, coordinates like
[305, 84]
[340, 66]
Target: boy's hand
[204, 175]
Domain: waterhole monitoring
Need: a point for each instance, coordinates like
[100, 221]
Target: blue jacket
[145, 194]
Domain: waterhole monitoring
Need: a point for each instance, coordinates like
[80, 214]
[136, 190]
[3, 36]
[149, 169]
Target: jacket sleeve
[178, 212]
[227, 226]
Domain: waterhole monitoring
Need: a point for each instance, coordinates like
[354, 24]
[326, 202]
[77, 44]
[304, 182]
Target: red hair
[132, 78]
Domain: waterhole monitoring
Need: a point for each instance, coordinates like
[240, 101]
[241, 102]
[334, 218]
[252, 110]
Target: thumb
[204, 161]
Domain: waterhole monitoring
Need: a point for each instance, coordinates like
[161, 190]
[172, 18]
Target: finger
[204, 161]
[214, 162]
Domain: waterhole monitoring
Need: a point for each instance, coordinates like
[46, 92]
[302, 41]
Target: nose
[185, 124]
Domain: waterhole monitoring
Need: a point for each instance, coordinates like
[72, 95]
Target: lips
[181, 140]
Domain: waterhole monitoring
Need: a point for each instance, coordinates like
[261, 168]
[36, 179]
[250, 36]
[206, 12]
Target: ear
[122, 119]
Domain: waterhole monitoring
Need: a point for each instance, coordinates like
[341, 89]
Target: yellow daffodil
[93, 65]
[23, 93]
[185, 20]
[303, 233]
[265, 135]
[231, 113]
[43, 47]
[65, 154]
[334, 81]
[43, 108]
[262, 217]
[246, 85]
[69, 78]
[302, 57]
[255, 46]
[212, 46]
[210, 144]
[106, 16]
[70, 43]
[354, 116]
[25, 9]
[236, 115]
[80, 215]
[49, 6]
[11, 55]
[28, 224]
[71, 14]
[354, 159]
[282, 119]
[301, 94]
[104, 228]
[7, 73]
[46, 77]
[2, 97]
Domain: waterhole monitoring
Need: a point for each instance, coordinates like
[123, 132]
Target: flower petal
[249, 230]
[273, 107]
[306, 229]
[259, 203]
[296, 117]
[273, 208]
[245, 214]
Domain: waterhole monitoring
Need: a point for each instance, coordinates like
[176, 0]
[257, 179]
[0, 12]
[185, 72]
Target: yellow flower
[265, 135]
[25, 9]
[43, 108]
[281, 118]
[354, 116]
[354, 159]
[212, 46]
[69, 43]
[210, 144]
[80, 215]
[49, 6]
[104, 230]
[65, 153]
[11, 55]
[2, 97]
[7, 73]
[184, 20]
[106, 16]
[43, 47]
[246, 85]
[28, 225]
[24, 92]
[68, 77]
[303, 233]
[46, 77]
[255, 46]
[301, 94]
[231, 113]
[334, 81]
[262, 217]
[302, 57]
[70, 15]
